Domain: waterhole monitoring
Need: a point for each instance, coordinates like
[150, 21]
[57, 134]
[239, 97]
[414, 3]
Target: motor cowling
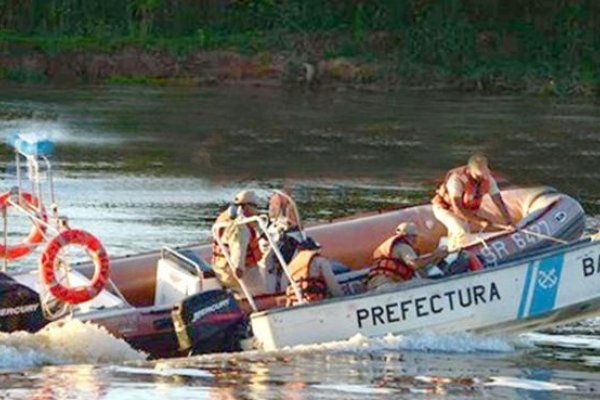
[209, 322]
[20, 307]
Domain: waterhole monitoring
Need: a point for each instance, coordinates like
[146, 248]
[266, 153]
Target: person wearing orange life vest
[397, 258]
[241, 241]
[314, 277]
[457, 201]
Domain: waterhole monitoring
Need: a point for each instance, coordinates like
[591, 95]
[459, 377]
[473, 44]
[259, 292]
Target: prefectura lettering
[424, 306]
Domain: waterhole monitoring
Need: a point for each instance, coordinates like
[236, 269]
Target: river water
[145, 167]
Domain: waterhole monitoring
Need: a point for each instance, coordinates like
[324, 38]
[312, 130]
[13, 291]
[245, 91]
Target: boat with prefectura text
[536, 290]
[170, 303]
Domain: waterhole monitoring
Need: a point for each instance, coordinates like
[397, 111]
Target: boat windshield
[283, 211]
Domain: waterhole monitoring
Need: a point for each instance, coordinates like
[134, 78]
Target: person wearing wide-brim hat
[241, 241]
[397, 259]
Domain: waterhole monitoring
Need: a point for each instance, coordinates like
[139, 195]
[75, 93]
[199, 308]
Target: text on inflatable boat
[424, 306]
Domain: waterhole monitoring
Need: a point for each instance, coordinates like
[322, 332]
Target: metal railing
[166, 250]
[53, 223]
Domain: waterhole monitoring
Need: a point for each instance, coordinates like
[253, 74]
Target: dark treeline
[184, 17]
[557, 39]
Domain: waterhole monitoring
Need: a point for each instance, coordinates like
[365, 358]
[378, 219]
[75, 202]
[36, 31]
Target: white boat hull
[547, 288]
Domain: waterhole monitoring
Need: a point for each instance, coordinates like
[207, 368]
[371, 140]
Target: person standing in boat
[397, 259]
[457, 201]
[241, 241]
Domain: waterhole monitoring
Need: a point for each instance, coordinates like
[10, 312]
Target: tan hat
[247, 197]
[406, 228]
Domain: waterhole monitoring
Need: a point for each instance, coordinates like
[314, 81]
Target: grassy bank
[539, 46]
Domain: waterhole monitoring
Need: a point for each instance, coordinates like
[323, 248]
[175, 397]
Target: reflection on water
[144, 167]
[254, 134]
[261, 133]
[324, 375]
[316, 376]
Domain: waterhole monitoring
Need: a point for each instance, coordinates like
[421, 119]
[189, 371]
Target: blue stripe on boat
[525, 293]
[547, 282]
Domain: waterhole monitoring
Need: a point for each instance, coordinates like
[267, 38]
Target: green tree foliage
[558, 39]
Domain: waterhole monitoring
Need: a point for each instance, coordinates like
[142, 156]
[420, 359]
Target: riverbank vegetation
[539, 46]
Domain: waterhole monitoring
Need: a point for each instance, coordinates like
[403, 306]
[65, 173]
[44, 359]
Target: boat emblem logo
[547, 280]
[560, 216]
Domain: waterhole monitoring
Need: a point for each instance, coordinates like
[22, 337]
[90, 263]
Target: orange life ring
[78, 294]
[36, 235]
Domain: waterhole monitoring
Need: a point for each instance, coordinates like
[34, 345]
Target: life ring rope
[51, 256]
[39, 219]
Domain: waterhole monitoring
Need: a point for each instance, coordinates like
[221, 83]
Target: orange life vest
[253, 253]
[387, 265]
[312, 288]
[473, 190]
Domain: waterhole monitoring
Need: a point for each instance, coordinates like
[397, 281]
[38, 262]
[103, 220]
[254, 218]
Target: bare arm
[408, 255]
[499, 202]
[423, 261]
[327, 272]
[431, 258]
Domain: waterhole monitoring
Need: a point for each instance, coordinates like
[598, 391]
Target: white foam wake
[563, 341]
[161, 369]
[73, 342]
[434, 342]
[527, 384]
[424, 342]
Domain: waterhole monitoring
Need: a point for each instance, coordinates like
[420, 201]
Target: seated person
[313, 275]
[397, 260]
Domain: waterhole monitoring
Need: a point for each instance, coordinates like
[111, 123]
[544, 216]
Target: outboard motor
[209, 322]
[20, 307]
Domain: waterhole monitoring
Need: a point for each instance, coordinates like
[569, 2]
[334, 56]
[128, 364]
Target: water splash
[72, 342]
[571, 341]
[424, 342]
[162, 370]
[456, 343]
[56, 131]
[354, 389]
[527, 384]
